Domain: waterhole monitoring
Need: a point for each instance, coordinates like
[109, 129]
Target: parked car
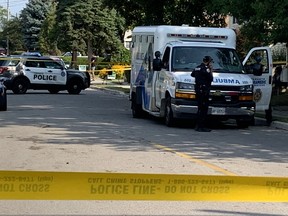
[3, 51]
[8, 65]
[46, 73]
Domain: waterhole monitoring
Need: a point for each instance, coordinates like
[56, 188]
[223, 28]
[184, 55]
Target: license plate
[218, 111]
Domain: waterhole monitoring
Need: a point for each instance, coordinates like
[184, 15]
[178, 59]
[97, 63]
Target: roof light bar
[198, 36]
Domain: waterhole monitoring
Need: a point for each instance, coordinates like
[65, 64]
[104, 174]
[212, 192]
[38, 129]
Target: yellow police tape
[34, 185]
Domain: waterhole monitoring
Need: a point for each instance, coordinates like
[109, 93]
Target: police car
[47, 73]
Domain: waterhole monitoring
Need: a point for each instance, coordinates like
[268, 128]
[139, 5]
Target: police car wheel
[20, 86]
[169, 119]
[74, 87]
[3, 100]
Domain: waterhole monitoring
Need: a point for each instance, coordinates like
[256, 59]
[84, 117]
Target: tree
[48, 35]
[131, 10]
[3, 17]
[32, 18]
[262, 22]
[169, 12]
[14, 31]
[88, 23]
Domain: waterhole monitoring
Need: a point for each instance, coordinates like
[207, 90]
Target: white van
[167, 90]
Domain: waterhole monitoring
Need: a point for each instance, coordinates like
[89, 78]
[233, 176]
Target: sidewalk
[279, 113]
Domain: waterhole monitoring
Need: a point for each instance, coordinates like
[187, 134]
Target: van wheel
[74, 87]
[169, 119]
[3, 100]
[20, 86]
[137, 111]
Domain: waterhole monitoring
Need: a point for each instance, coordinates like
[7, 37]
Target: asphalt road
[95, 132]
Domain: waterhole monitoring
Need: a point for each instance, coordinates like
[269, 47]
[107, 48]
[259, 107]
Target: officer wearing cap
[203, 79]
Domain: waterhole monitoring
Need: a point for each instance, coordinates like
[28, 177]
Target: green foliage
[3, 17]
[122, 56]
[13, 30]
[86, 21]
[32, 18]
[150, 12]
[279, 52]
[262, 22]
[48, 34]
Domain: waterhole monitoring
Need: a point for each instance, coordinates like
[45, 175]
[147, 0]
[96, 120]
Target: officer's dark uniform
[203, 78]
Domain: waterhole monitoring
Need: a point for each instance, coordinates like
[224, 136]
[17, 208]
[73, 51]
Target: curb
[109, 90]
[279, 125]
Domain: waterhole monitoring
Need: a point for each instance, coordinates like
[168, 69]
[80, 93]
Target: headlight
[246, 88]
[185, 86]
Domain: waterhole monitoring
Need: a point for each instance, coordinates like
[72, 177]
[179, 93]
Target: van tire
[169, 119]
[137, 111]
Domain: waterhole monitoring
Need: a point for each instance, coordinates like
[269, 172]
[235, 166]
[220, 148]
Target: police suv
[46, 73]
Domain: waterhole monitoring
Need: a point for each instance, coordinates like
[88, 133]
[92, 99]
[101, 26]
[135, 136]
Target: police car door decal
[258, 65]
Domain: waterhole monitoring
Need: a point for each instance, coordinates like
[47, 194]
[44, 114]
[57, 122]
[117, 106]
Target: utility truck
[162, 86]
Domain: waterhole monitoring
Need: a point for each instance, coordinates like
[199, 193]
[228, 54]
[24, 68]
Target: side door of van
[258, 65]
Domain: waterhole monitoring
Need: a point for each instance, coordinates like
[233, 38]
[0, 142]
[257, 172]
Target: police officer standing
[203, 79]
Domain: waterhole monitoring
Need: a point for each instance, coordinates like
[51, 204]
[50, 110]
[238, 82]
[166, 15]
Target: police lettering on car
[45, 77]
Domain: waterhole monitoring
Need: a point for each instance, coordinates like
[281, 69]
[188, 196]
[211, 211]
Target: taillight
[3, 69]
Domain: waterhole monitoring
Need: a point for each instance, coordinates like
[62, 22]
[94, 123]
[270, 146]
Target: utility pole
[7, 41]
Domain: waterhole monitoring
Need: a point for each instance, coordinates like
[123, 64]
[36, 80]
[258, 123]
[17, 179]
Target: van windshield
[224, 60]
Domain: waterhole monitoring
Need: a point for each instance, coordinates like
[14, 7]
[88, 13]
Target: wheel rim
[21, 86]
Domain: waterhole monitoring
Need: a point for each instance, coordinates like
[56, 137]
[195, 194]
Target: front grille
[225, 95]
[223, 99]
[225, 88]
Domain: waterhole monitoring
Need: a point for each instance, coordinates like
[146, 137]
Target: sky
[15, 6]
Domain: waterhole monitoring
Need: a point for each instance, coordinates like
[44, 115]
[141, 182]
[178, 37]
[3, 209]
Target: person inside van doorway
[203, 79]
[258, 67]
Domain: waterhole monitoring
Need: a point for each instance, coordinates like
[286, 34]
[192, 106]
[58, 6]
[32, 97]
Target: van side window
[166, 58]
